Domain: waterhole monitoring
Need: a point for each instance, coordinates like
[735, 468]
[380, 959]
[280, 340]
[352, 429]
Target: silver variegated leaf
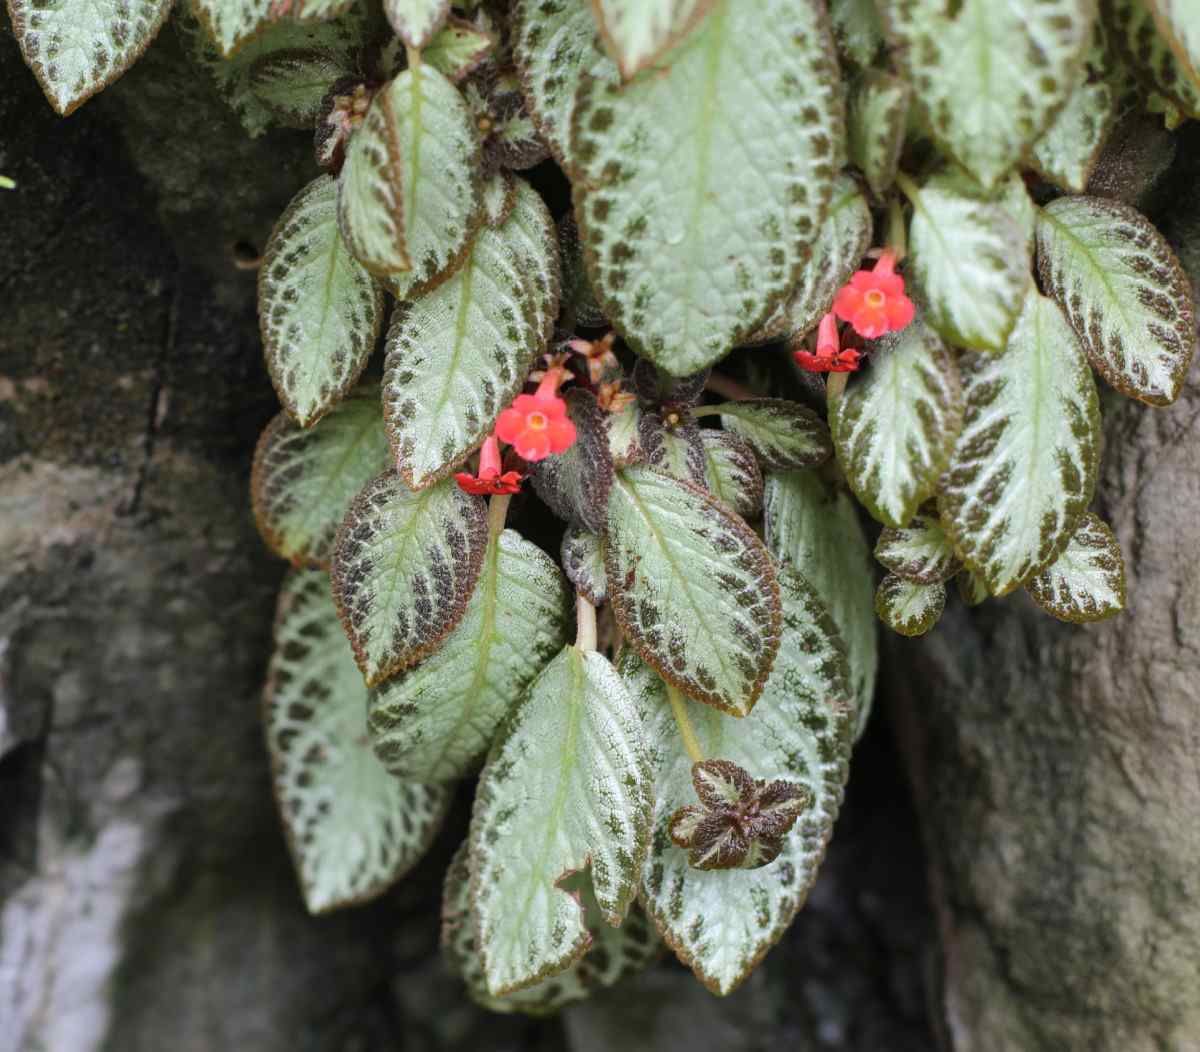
[732, 474]
[232, 23]
[1024, 468]
[894, 427]
[920, 551]
[576, 484]
[971, 587]
[857, 28]
[436, 721]
[638, 32]
[876, 122]
[567, 787]
[1178, 22]
[615, 953]
[499, 197]
[691, 277]
[722, 922]
[909, 608]
[405, 565]
[319, 309]
[76, 48]
[844, 237]
[813, 526]
[409, 195]
[458, 355]
[583, 563]
[692, 588]
[1087, 581]
[353, 829]
[1123, 291]
[783, 434]
[458, 48]
[304, 479]
[554, 45]
[317, 10]
[624, 435]
[970, 262]
[990, 77]
[1150, 54]
[292, 84]
[677, 451]
[416, 22]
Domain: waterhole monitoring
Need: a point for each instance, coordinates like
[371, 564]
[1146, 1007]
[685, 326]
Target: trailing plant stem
[834, 386]
[498, 513]
[684, 722]
[585, 621]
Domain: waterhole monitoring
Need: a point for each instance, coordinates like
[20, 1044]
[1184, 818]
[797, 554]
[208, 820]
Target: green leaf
[1150, 53]
[353, 829]
[304, 479]
[969, 259]
[639, 32]
[692, 588]
[1177, 21]
[1087, 581]
[614, 954]
[894, 427]
[583, 563]
[920, 551]
[971, 587]
[554, 44]
[844, 237]
[416, 21]
[857, 28]
[435, 722]
[1024, 469]
[293, 84]
[909, 607]
[1124, 292]
[624, 435]
[732, 474]
[567, 787]
[232, 23]
[76, 48]
[813, 526]
[458, 355]
[990, 77]
[722, 923]
[409, 194]
[876, 122]
[499, 197]
[782, 434]
[319, 309]
[677, 451]
[319, 10]
[686, 281]
[576, 484]
[458, 48]
[405, 566]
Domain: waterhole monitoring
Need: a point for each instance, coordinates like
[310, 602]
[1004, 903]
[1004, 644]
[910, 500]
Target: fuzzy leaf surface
[813, 526]
[920, 551]
[436, 721]
[232, 23]
[783, 434]
[894, 428]
[722, 922]
[405, 565]
[1179, 23]
[1157, 65]
[304, 479]
[638, 32]
[352, 828]
[1124, 292]
[990, 77]
[677, 451]
[319, 309]
[459, 354]
[732, 474]
[857, 28]
[1087, 581]
[292, 84]
[575, 484]
[78, 47]
[458, 48]
[1024, 469]
[692, 588]
[688, 263]
[970, 261]
[876, 121]
[567, 787]
[416, 21]
[909, 608]
[583, 563]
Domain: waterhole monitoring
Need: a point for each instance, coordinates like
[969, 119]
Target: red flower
[873, 301]
[829, 357]
[537, 425]
[489, 480]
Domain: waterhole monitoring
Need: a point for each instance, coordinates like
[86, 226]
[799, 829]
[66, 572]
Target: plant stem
[413, 54]
[684, 722]
[728, 388]
[897, 235]
[909, 189]
[498, 513]
[834, 387]
[585, 622]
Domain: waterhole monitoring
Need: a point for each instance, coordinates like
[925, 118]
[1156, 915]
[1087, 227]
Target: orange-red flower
[489, 481]
[873, 301]
[830, 358]
[537, 425]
